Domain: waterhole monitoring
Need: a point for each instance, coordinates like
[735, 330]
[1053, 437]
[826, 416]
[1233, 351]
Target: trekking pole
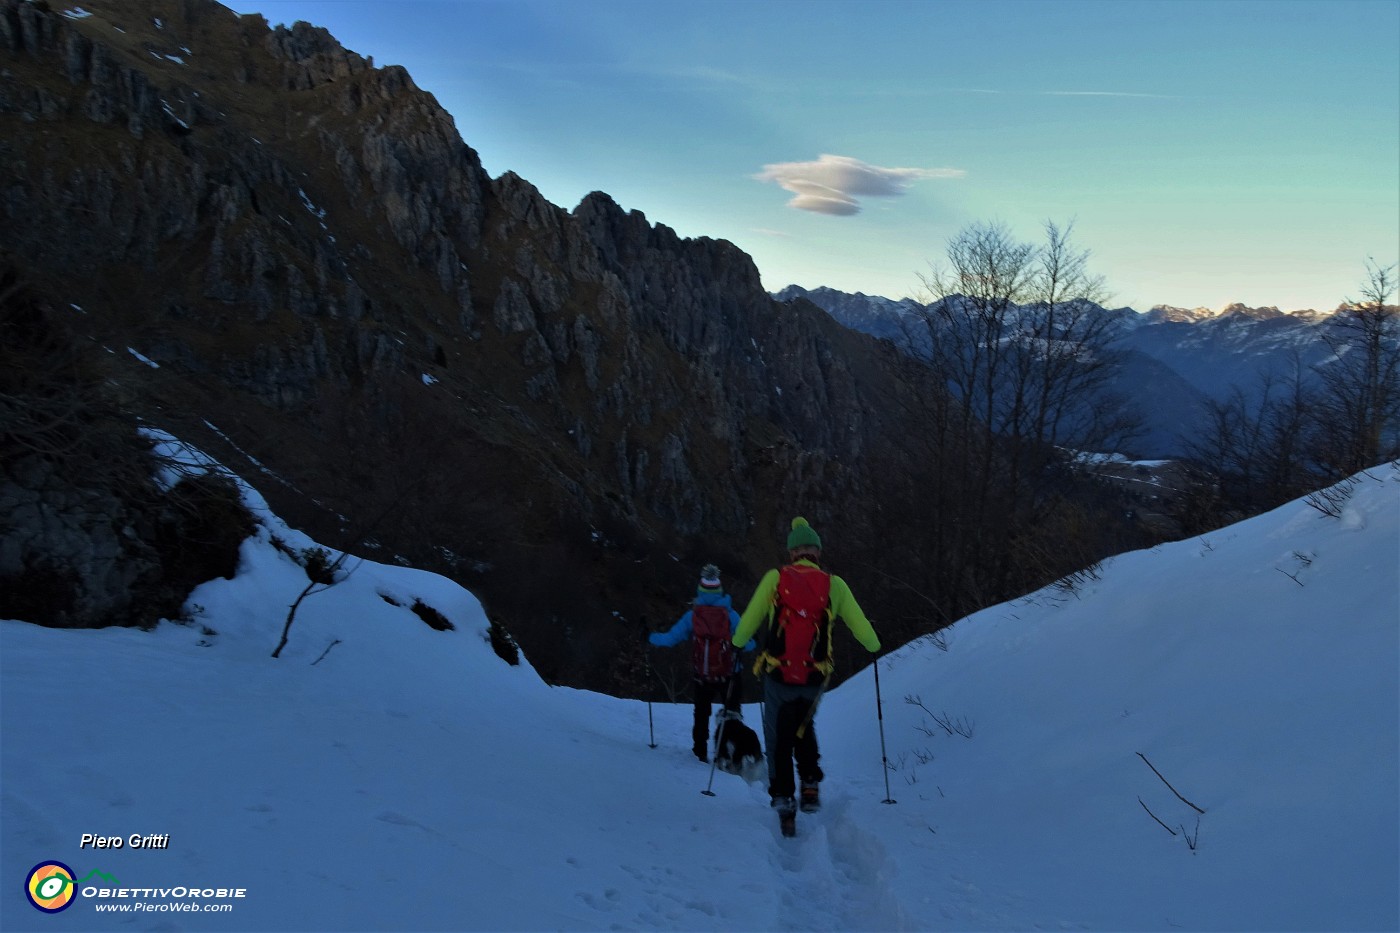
[719, 725]
[880, 715]
[714, 757]
[646, 657]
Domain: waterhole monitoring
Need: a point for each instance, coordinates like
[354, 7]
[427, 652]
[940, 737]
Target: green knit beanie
[803, 535]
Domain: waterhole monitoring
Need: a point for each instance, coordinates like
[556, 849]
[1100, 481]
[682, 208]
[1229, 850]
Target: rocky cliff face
[564, 410]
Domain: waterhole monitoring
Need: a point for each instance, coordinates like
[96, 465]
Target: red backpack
[800, 638]
[713, 651]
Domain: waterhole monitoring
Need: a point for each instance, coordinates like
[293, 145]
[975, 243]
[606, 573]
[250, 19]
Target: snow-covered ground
[409, 779]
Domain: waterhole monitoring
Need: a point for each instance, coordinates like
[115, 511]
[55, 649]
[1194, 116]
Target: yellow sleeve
[760, 605]
[843, 604]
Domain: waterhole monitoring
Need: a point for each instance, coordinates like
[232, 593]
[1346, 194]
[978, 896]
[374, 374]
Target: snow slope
[409, 779]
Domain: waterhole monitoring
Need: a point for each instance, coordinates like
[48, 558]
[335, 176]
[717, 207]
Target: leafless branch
[1169, 786]
[1330, 501]
[1192, 840]
[1154, 816]
[326, 652]
[959, 726]
[330, 575]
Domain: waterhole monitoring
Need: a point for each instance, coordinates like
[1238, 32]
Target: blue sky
[1208, 152]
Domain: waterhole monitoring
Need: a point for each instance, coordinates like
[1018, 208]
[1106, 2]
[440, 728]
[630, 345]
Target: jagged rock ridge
[562, 409]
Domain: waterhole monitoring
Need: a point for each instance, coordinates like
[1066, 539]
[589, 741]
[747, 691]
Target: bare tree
[1359, 406]
[1062, 359]
[959, 333]
[1255, 443]
[1015, 332]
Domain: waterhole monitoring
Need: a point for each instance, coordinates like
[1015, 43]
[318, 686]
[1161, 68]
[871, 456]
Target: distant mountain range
[1177, 359]
[1233, 347]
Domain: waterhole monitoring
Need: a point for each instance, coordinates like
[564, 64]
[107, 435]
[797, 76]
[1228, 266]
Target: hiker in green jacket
[798, 605]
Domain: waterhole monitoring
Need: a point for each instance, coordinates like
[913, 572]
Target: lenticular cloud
[833, 184]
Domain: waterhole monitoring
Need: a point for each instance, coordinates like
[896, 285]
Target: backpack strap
[766, 662]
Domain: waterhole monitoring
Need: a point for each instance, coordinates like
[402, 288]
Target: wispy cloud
[703, 74]
[1014, 93]
[1106, 94]
[834, 184]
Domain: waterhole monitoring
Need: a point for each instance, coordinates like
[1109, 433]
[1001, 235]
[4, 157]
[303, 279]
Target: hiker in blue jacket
[709, 624]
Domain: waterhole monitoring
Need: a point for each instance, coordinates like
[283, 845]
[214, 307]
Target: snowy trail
[832, 876]
[833, 873]
[413, 780]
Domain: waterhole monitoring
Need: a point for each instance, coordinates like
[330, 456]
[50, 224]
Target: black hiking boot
[811, 797]
[787, 815]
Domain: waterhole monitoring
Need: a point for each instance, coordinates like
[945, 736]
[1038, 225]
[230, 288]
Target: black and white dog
[737, 748]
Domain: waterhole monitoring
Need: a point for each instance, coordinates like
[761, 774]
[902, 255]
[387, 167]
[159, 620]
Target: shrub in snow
[436, 620]
[502, 642]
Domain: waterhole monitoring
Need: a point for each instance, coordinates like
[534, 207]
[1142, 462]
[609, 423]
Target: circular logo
[50, 887]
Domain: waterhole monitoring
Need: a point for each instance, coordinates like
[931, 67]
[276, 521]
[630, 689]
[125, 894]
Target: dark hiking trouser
[785, 706]
[706, 692]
